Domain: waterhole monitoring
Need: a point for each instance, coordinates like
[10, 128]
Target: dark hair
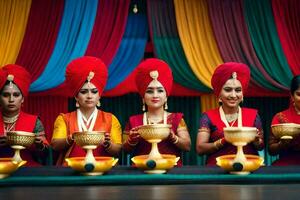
[295, 84]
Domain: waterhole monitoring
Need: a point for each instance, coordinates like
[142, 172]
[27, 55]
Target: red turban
[18, 75]
[151, 68]
[83, 69]
[225, 71]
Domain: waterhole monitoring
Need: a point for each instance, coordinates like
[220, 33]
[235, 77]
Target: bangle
[176, 139]
[218, 144]
[131, 144]
[67, 141]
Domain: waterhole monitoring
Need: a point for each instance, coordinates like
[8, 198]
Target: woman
[229, 82]
[288, 149]
[14, 84]
[154, 83]
[86, 78]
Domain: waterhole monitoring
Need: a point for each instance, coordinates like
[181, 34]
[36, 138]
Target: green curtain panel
[167, 45]
[263, 33]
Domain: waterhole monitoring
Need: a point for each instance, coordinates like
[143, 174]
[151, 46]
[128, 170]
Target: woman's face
[231, 94]
[11, 100]
[88, 96]
[155, 95]
[296, 98]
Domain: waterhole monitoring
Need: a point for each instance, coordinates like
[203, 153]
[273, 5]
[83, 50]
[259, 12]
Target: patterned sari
[211, 121]
[28, 123]
[290, 156]
[165, 146]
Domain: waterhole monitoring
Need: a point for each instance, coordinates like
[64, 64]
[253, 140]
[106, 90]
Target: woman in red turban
[287, 148]
[86, 78]
[154, 82]
[14, 84]
[229, 81]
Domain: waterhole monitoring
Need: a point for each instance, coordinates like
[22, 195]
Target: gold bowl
[88, 138]
[154, 132]
[101, 165]
[252, 163]
[285, 130]
[20, 138]
[8, 166]
[240, 135]
[155, 166]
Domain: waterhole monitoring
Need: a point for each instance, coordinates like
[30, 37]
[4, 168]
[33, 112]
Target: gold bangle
[176, 140]
[218, 144]
[131, 144]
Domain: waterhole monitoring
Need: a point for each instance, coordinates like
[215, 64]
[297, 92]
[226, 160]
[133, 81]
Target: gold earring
[77, 104]
[98, 104]
[166, 105]
[144, 107]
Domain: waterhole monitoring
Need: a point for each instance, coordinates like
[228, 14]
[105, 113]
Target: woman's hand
[219, 143]
[173, 138]
[134, 136]
[3, 141]
[285, 143]
[106, 142]
[258, 141]
[38, 141]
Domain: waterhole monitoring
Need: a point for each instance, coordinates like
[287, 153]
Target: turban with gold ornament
[17, 75]
[227, 71]
[86, 69]
[153, 69]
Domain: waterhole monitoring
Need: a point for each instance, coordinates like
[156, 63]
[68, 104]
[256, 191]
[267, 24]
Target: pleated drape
[41, 34]
[13, 21]
[287, 17]
[234, 42]
[197, 38]
[264, 37]
[167, 44]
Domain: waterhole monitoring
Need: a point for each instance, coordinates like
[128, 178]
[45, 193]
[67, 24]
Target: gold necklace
[154, 120]
[231, 117]
[10, 120]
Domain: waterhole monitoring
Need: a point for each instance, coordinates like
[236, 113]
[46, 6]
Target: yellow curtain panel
[208, 102]
[13, 21]
[197, 38]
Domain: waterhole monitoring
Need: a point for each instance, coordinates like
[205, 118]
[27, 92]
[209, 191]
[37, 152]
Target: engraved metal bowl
[8, 166]
[285, 130]
[87, 138]
[156, 166]
[20, 138]
[154, 132]
[101, 165]
[252, 163]
[242, 135]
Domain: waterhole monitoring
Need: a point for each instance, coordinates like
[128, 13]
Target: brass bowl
[8, 166]
[87, 138]
[102, 165]
[240, 135]
[285, 130]
[157, 166]
[20, 138]
[154, 132]
[252, 163]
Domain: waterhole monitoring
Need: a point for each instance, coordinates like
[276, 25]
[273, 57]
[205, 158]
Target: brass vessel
[285, 130]
[19, 140]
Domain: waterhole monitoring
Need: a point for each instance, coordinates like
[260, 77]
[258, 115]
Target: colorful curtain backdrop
[286, 15]
[192, 36]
